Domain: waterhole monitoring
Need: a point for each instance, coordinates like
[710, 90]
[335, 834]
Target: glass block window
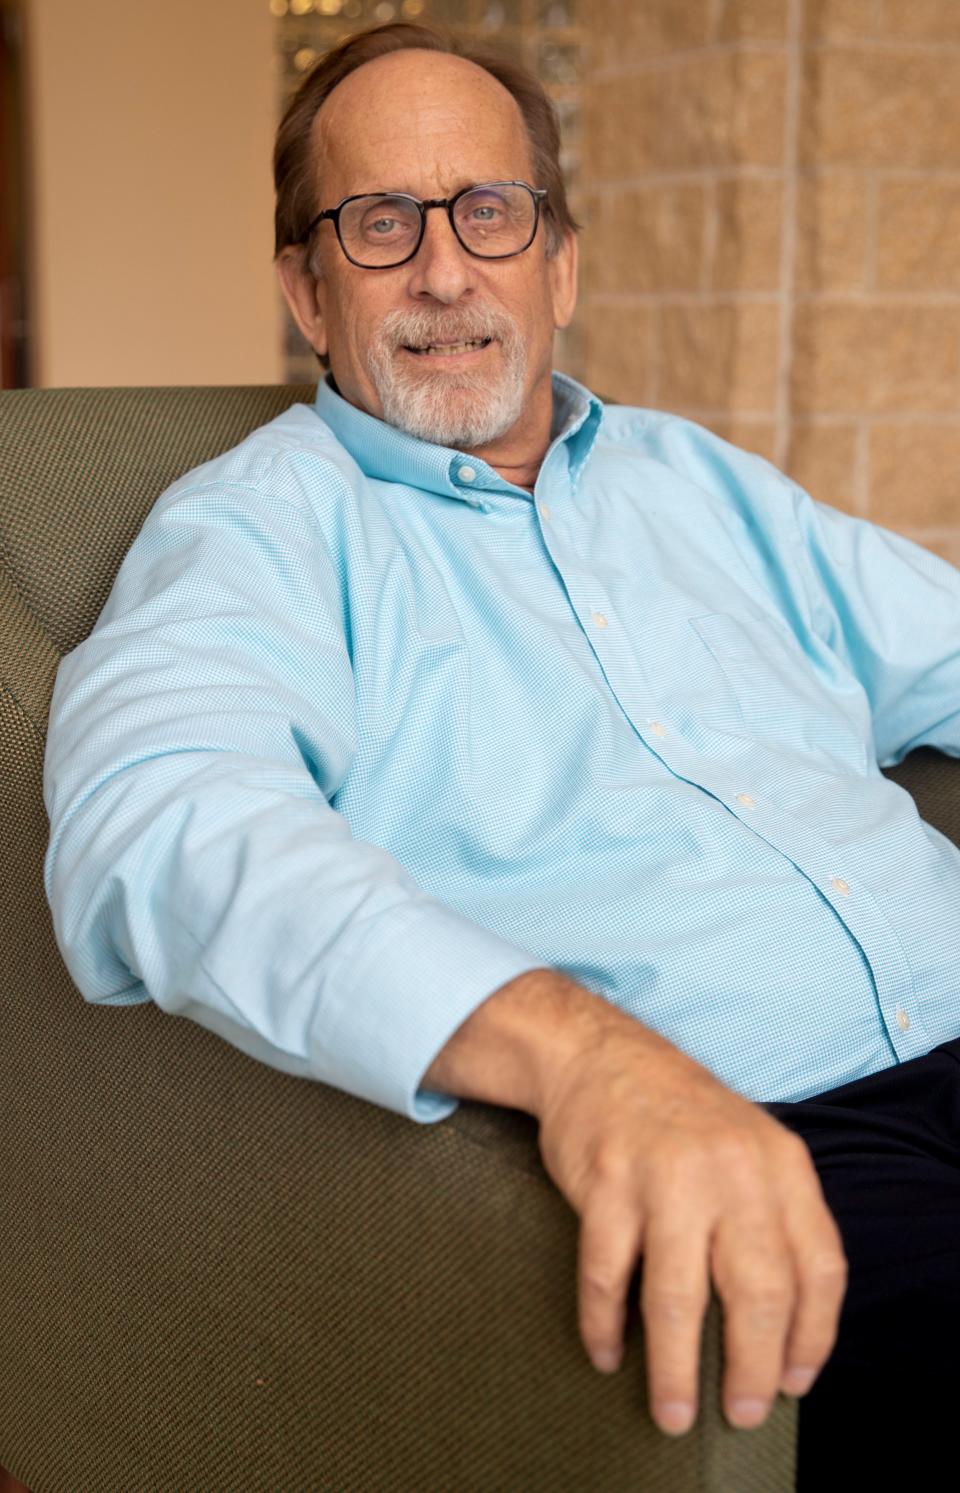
[546, 35]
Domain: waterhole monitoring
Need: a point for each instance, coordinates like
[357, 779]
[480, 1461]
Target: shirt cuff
[391, 1006]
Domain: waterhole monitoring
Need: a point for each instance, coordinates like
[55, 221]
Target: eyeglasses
[379, 230]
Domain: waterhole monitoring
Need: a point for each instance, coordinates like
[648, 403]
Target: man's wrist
[512, 1047]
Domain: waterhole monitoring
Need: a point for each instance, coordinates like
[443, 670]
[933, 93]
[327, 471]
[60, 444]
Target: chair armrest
[218, 1276]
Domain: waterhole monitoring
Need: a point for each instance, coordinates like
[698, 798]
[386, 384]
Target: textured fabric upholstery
[217, 1276]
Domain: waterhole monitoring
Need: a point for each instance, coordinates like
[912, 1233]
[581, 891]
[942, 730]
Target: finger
[753, 1267]
[822, 1274]
[611, 1233]
[673, 1298]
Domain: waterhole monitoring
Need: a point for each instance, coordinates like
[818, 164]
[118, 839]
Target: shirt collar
[383, 452]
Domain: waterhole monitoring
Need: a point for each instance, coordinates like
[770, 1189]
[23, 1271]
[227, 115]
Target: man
[463, 737]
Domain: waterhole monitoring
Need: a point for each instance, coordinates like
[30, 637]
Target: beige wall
[774, 229]
[151, 126]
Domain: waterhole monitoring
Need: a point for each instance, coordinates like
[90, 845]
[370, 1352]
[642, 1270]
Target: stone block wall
[771, 195]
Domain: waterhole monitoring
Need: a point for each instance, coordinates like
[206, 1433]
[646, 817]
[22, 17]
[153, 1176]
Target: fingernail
[797, 1381]
[674, 1416]
[749, 1413]
[606, 1360]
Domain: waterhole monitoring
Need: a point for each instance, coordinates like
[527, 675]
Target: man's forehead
[418, 120]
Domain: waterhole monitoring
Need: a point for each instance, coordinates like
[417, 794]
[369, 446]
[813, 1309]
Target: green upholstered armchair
[217, 1276]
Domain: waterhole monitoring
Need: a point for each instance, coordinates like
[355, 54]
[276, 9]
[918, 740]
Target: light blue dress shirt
[364, 731]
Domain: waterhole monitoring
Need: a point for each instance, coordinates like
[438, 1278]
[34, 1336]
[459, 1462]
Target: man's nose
[442, 268]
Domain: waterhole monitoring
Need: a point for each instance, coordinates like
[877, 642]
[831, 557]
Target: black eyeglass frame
[539, 195]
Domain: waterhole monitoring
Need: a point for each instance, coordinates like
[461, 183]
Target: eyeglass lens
[491, 221]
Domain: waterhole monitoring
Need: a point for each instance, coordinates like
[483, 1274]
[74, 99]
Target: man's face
[428, 124]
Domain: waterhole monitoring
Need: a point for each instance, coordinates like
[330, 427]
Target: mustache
[417, 328]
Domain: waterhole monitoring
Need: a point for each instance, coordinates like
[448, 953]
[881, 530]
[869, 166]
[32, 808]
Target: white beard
[463, 409]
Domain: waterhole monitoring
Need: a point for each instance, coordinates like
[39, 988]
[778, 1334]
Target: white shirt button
[599, 619]
[467, 474]
[903, 1020]
[746, 801]
[839, 885]
[657, 728]
[544, 511]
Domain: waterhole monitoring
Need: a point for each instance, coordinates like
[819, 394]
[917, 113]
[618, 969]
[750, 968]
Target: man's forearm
[526, 1031]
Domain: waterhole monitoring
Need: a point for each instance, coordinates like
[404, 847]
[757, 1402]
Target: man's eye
[487, 212]
[382, 226]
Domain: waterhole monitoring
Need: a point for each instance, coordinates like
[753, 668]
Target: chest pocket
[783, 699]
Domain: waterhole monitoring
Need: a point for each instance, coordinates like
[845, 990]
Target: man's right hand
[660, 1159]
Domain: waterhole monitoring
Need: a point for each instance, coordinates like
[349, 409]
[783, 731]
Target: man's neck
[521, 473]
[518, 455]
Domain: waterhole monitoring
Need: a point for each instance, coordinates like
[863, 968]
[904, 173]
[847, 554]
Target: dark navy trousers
[885, 1409]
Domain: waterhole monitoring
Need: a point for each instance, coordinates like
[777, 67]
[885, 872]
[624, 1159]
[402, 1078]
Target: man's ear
[302, 293]
[563, 280]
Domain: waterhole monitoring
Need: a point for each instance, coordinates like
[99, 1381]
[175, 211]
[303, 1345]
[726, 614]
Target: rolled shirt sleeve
[196, 740]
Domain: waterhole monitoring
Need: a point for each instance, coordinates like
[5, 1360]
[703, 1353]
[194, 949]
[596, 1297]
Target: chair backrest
[73, 461]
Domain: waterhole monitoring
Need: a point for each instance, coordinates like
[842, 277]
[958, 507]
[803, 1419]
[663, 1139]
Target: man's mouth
[448, 349]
